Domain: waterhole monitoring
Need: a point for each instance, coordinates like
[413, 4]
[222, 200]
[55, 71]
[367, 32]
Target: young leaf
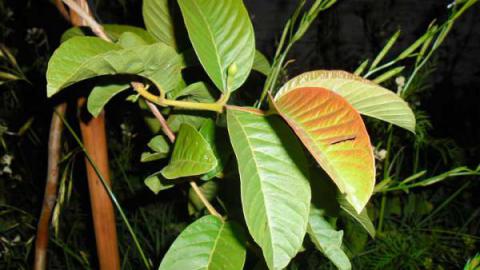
[209, 190]
[275, 191]
[261, 63]
[191, 155]
[159, 144]
[366, 97]
[156, 183]
[334, 133]
[222, 35]
[81, 58]
[102, 94]
[327, 240]
[208, 243]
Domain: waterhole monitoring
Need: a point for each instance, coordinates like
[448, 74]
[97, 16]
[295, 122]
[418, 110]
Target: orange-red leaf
[334, 133]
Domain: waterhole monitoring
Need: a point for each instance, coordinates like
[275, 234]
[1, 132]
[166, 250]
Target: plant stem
[204, 200]
[171, 136]
[50, 196]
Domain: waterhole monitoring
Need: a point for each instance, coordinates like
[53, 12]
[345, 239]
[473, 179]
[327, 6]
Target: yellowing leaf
[334, 133]
[366, 97]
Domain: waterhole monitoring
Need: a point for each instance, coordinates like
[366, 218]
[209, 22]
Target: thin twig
[171, 136]
[89, 20]
[50, 196]
[204, 200]
[98, 30]
[163, 123]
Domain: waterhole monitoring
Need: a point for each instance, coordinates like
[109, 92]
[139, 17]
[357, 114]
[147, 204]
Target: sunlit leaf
[191, 155]
[81, 58]
[366, 97]
[275, 191]
[335, 135]
[208, 243]
[222, 35]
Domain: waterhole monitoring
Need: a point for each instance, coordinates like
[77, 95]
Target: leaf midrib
[261, 186]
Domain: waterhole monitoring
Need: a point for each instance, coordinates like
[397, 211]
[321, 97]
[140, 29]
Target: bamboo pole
[95, 141]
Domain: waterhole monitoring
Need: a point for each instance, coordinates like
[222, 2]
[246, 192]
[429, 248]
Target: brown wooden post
[95, 141]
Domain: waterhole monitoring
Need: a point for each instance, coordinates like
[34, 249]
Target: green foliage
[274, 184]
[192, 155]
[222, 36]
[208, 243]
[280, 186]
[82, 58]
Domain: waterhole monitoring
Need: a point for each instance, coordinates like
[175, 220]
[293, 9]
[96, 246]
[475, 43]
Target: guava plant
[287, 148]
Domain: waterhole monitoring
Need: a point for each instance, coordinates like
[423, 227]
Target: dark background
[341, 38]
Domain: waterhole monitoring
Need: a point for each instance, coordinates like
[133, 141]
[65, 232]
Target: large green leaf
[335, 135]
[274, 183]
[327, 239]
[81, 58]
[162, 19]
[366, 97]
[222, 35]
[191, 155]
[208, 243]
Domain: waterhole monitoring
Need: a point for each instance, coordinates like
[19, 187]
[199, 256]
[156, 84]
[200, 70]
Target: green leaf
[162, 19]
[192, 155]
[156, 183]
[159, 144]
[327, 240]
[81, 58]
[222, 35]
[261, 63]
[218, 142]
[274, 183]
[198, 91]
[148, 156]
[131, 40]
[366, 97]
[102, 94]
[334, 133]
[208, 243]
[114, 31]
[361, 218]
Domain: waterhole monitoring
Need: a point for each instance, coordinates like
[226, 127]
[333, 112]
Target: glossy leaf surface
[275, 191]
[334, 133]
[222, 35]
[191, 155]
[208, 243]
[366, 97]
